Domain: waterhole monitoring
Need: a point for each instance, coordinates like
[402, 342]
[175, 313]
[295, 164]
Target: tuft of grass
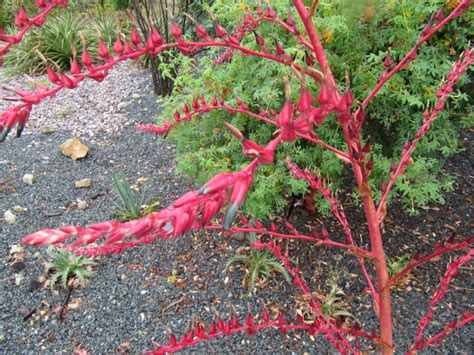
[258, 264]
[66, 265]
[134, 207]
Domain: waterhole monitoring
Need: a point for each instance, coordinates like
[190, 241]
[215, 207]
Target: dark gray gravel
[125, 306]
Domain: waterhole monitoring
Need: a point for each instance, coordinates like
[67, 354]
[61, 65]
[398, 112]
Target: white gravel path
[87, 109]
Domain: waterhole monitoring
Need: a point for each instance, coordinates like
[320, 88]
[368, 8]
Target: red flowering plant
[226, 191]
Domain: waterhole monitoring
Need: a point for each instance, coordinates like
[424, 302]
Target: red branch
[221, 328]
[25, 23]
[451, 272]
[445, 89]
[430, 29]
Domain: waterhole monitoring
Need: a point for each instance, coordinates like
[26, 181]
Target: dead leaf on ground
[74, 148]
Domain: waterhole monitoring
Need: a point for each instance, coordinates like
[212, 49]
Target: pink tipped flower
[176, 31]
[118, 46]
[220, 31]
[156, 37]
[135, 37]
[53, 77]
[306, 100]
[75, 68]
[86, 58]
[103, 51]
[200, 31]
[219, 182]
[237, 197]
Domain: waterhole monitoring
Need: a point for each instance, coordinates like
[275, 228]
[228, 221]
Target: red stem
[406, 59]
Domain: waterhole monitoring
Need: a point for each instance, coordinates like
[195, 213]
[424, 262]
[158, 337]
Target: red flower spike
[186, 109]
[279, 49]
[265, 315]
[172, 340]
[52, 76]
[176, 31]
[323, 96]
[103, 51]
[227, 327]
[200, 31]
[157, 39]
[218, 182]
[128, 49]
[237, 196]
[212, 329]
[180, 224]
[195, 104]
[235, 321]
[271, 13]
[68, 82]
[234, 131]
[118, 46]
[306, 100]
[41, 3]
[387, 62]
[220, 324]
[290, 21]
[86, 58]
[220, 31]
[135, 37]
[259, 39]
[214, 101]
[75, 68]
[243, 220]
[149, 45]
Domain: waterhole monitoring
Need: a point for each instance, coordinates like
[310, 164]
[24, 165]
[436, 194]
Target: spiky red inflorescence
[196, 209]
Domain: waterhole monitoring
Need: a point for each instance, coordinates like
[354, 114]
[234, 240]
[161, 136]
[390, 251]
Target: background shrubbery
[357, 38]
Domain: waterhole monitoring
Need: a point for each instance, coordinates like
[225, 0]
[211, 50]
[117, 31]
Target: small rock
[82, 205]
[19, 209]
[136, 96]
[19, 279]
[17, 248]
[122, 105]
[29, 179]
[48, 130]
[82, 183]
[9, 217]
[74, 148]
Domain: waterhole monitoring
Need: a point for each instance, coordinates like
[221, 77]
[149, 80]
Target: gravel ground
[131, 300]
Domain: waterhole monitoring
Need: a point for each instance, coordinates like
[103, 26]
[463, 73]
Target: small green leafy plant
[257, 264]
[135, 208]
[67, 265]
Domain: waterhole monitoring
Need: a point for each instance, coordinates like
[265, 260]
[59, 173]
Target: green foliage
[66, 265]
[135, 207]
[397, 264]
[368, 29]
[56, 38]
[258, 263]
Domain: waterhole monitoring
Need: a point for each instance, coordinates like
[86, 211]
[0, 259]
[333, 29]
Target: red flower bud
[200, 31]
[86, 59]
[52, 76]
[220, 31]
[103, 51]
[75, 68]
[259, 39]
[279, 49]
[157, 39]
[306, 100]
[176, 31]
[118, 46]
[135, 37]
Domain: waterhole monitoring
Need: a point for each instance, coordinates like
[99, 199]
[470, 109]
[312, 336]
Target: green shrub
[382, 25]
